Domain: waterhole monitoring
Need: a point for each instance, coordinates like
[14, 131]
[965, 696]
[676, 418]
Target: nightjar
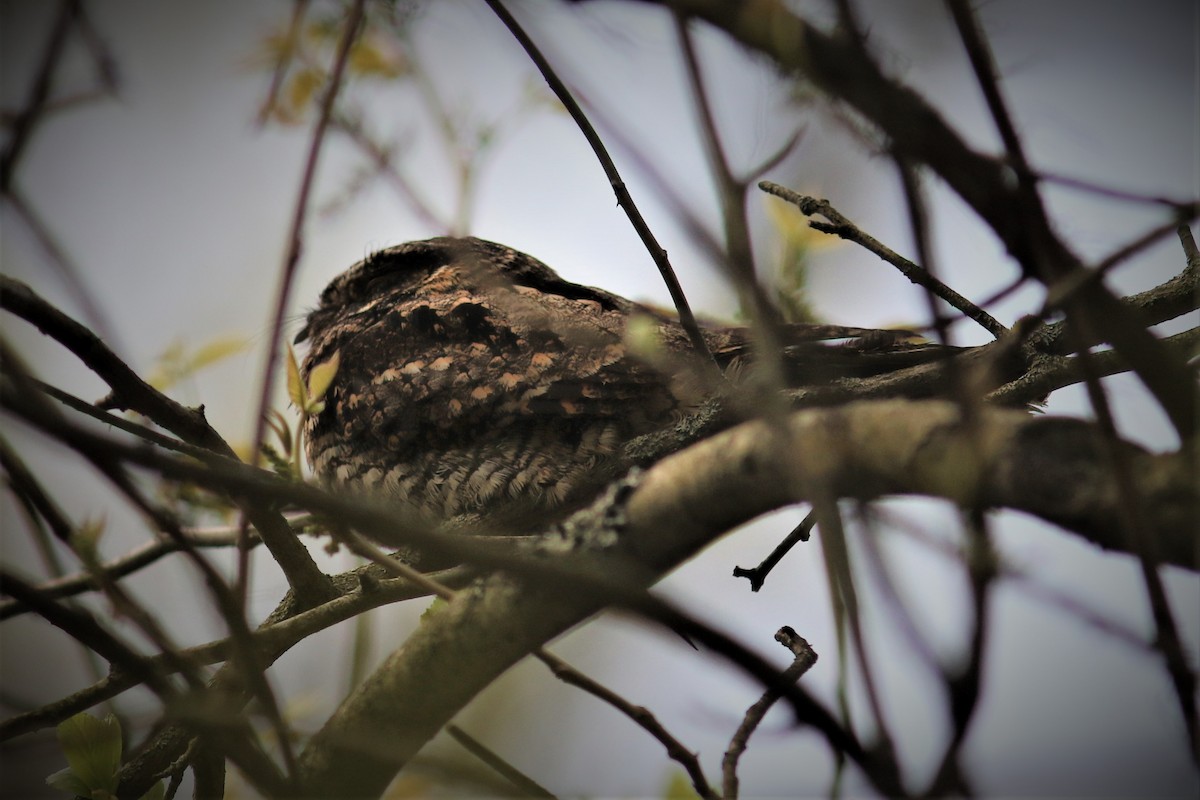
[476, 384]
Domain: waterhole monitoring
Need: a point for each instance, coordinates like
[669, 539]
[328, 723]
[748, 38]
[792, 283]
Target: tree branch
[131, 392]
[1047, 466]
[841, 67]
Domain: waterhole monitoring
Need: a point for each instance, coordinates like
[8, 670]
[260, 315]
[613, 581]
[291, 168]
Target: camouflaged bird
[475, 383]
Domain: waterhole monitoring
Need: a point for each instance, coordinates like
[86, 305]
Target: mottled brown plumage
[475, 383]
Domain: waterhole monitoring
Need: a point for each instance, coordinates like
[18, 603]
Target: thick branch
[1047, 466]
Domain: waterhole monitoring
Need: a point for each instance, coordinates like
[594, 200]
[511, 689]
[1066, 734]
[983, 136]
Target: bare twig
[61, 261]
[236, 738]
[283, 629]
[382, 160]
[42, 512]
[983, 64]
[844, 595]
[805, 657]
[758, 575]
[639, 714]
[130, 391]
[250, 666]
[738, 255]
[1028, 582]
[1063, 291]
[624, 199]
[71, 15]
[83, 627]
[39, 93]
[291, 40]
[136, 559]
[918, 132]
[1048, 373]
[963, 683]
[120, 423]
[1183, 208]
[291, 260]
[1137, 528]
[523, 782]
[844, 228]
[21, 481]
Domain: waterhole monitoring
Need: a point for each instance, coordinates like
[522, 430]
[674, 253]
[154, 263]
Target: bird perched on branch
[474, 382]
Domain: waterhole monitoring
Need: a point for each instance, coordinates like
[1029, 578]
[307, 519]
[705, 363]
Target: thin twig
[37, 107]
[39, 92]
[984, 66]
[561, 669]
[290, 262]
[131, 392]
[383, 162]
[42, 511]
[274, 638]
[963, 683]
[805, 658]
[915, 129]
[758, 575]
[61, 262]
[251, 667]
[22, 481]
[624, 199]
[1186, 208]
[738, 255]
[842, 227]
[639, 714]
[1173, 298]
[844, 594]
[1028, 582]
[1142, 542]
[519, 779]
[239, 745]
[291, 38]
[127, 564]
[108, 418]
[891, 599]
[1062, 291]
[1048, 373]
[84, 628]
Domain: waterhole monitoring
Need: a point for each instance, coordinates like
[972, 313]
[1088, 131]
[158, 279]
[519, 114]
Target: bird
[474, 384]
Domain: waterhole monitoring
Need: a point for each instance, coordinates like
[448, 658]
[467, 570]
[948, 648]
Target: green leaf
[85, 541]
[176, 363]
[301, 90]
[378, 56]
[93, 750]
[295, 386]
[643, 338]
[216, 351]
[322, 376]
[679, 787]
